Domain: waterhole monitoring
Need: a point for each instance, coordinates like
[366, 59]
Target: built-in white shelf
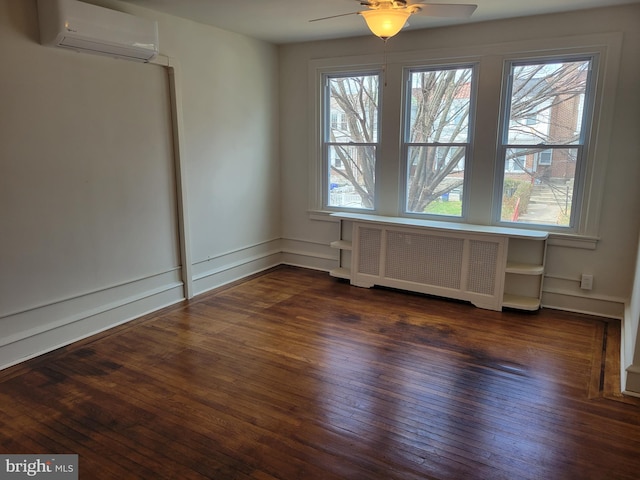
[520, 302]
[524, 269]
[344, 260]
[341, 244]
[341, 272]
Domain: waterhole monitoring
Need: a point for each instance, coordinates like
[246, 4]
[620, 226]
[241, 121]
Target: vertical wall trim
[175, 95]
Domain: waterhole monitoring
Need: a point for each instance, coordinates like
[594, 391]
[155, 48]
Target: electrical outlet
[586, 282]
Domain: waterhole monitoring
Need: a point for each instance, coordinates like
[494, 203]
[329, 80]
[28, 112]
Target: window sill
[321, 216]
[556, 239]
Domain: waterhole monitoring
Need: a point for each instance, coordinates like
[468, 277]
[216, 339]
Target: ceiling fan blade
[376, 3]
[444, 9]
[333, 16]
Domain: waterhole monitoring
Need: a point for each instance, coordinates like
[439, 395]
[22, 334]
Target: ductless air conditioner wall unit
[88, 28]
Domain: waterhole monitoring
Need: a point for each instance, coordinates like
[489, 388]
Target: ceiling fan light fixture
[387, 22]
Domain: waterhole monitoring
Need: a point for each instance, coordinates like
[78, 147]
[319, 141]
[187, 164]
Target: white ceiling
[287, 21]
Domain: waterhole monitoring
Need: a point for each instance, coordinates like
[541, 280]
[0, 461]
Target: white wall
[89, 235]
[619, 219]
[230, 111]
[88, 205]
[229, 88]
[631, 340]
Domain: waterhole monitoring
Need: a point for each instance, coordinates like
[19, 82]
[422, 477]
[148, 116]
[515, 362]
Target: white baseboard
[229, 267]
[44, 328]
[39, 330]
[569, 301]
[312, 255]
[34, 331]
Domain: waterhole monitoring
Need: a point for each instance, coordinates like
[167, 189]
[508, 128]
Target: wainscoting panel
[309, 254]
[231, 266]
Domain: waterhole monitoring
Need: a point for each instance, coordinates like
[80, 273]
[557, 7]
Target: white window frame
[327, 144]
[581, 146]
[405, 144]
[545, 157]
[490, 59]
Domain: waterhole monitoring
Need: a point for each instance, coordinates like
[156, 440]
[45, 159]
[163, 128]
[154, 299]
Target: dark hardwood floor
[294, 375]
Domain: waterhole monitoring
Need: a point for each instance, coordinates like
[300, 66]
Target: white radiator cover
[461, 265]
[492, 267]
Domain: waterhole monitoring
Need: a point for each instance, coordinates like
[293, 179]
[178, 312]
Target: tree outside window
[542, 158]
[540, 155]
[351, 139]
[437, 139]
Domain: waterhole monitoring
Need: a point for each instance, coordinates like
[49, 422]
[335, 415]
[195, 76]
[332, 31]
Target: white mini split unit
[88, 28]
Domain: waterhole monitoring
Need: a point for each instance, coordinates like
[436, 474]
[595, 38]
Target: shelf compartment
[524, 268]
[341, 244]
[520, 302]
[344, 273]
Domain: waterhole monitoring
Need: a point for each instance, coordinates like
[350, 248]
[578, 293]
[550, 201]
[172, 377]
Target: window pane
[538, 185]
[351, 137]
[547, 101]
[435, 176]
[440, 102]
[353, 109]
[352, 176]
[546, 108]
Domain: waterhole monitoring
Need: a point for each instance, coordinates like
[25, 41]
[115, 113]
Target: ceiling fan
[385, 18]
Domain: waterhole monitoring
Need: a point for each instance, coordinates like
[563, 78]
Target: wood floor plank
[292, 374]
